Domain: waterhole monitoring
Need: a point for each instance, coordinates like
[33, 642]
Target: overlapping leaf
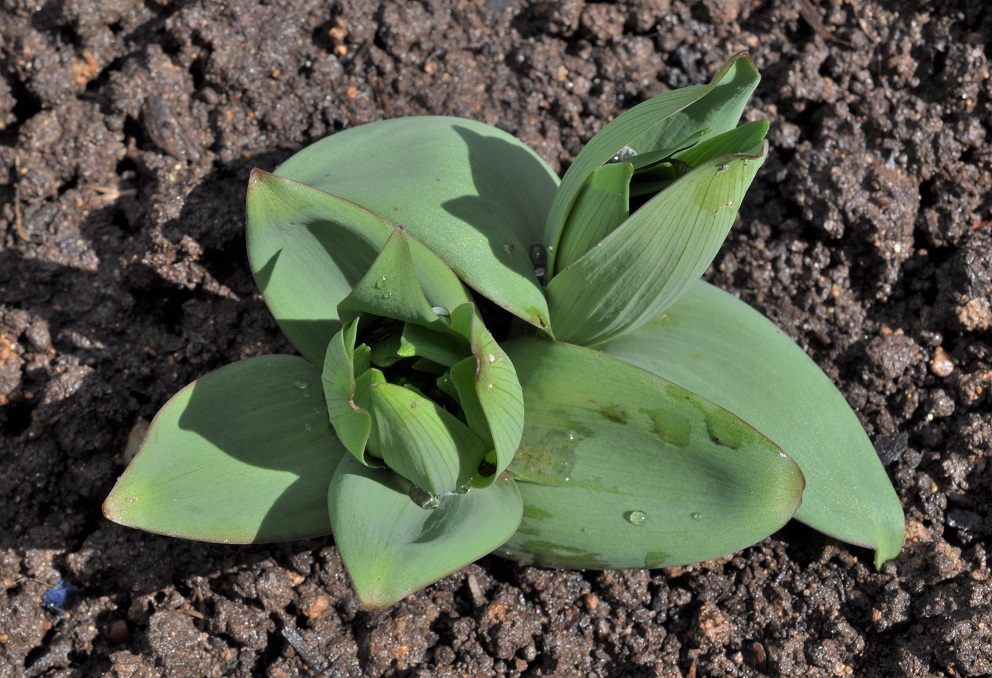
[690, 114]
[393, 547]
[471, 193]
[619, 468]
[241, 455]
[646, 263]
[718, 346]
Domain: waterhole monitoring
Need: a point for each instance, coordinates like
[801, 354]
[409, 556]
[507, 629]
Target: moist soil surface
[127, 133]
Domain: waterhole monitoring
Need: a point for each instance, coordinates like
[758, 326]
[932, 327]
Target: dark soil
[127, 132]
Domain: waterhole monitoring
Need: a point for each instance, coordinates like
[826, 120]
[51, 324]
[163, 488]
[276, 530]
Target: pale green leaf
[405, 282]
[647, 262]
[620, 469]
[244, 454]
[346, 382]
[602, 205]
[421, 441]
[471, 193]
[308, 250]
[662, 122]
[392, 547]
[488, 391]
[718, 346]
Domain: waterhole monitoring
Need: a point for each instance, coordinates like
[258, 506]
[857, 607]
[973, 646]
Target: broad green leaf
[392, 547]
[619, 468]
[421, 441]
[718, 346]
[602, 205]
[647, 262]
[244, 454]
[659, 123]
[488, 391]
[308, 250]
[471, 193]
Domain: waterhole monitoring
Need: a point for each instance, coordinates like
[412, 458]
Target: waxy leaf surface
[620, 469]
[307, 250]
[393, 547]
[691, 113]
[473, 194]
[721, 348]
[243, 454]
[647, 262]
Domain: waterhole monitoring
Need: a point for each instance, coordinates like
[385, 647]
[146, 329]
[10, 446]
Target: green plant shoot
[495, 361]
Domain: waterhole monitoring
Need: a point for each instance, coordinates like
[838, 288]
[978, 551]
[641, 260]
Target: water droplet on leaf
[387, 295]
[538, 255]
[381, 282]
[696, 515]
[636, 517]
[423, 498]
[509, 247]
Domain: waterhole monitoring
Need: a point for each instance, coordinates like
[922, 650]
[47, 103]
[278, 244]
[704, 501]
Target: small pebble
[941, 364]
[119, 632]
[318, 607]
[61, 597]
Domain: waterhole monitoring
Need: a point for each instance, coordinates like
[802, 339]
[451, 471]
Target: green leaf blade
[648, 261]
[620, 469]
[391, 547]
[720, 347]
[474, 195]
[421, 441]
[307, 250]
[660, 122]
[241, 455]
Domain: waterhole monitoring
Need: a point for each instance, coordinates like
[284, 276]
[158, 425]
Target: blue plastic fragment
[61, 597]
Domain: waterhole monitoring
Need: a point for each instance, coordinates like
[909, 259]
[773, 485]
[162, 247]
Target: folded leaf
[489, 392]
[243, 454]
[471, 193]
[392, 547]
[718, 346]
[308, 249]
[422, 442]
[647, 262]
[664, 122]
[619, 468]
[406, 282]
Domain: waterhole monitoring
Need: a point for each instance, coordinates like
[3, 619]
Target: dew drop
[387, 295]
[423, 498]
[696, 515]
[307, 426]
[538, 255]
[381, 282]
[492, 358]
[572, 436]
[301, 384]
[636, 517]
[509, 247]
[623, 154]
[442, 313]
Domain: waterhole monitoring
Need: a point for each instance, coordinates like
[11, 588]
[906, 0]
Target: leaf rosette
[508, 363]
